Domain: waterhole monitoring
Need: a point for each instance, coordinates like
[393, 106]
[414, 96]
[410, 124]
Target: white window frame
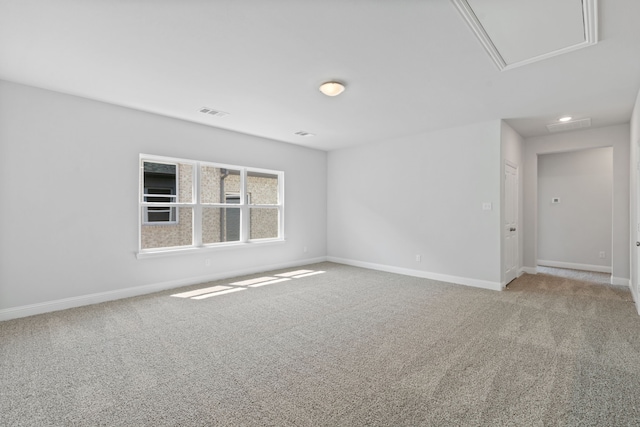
[197, 206]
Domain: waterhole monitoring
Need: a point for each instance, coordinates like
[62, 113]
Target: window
[263, 217]
[160, 186]
[190, 204]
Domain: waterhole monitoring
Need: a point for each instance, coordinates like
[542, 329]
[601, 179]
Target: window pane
[153, 214]
[217, 183]
[160, 235]
[262, 188]
[173, 180]
[264, 223]
[185, 183]
[220, 225]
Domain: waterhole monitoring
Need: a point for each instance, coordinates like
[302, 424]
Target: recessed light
[332, 88]
[565, 119]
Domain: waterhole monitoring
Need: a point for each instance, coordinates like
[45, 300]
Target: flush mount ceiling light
[565, 119]
[332, 88]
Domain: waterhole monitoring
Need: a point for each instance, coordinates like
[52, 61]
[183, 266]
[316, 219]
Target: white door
[510, 222]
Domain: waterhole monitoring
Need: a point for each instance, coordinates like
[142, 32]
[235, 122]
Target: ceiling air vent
[212, 112]
[573, 125]
[303, 133]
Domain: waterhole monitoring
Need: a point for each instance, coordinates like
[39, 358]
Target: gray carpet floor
[349, 347]
[582, 275]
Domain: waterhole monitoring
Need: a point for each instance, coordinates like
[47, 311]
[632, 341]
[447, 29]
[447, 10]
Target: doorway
[575, 210]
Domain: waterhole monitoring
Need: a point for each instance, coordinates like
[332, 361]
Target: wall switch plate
[418, 258]
[601, 254]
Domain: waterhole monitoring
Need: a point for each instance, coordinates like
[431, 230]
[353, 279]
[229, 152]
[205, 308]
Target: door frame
[518, 233]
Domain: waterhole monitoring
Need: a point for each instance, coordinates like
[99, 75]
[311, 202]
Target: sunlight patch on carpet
[252, 281]
[197, 292]
[243, 285]
[215, 294]
[268, 283]
[293, 273]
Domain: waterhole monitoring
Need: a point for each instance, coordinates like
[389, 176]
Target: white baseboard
[518, 274]
[634, 296]
[529, 270]
[575, 266]
[65, 303]
[476, 283]
[621, 281]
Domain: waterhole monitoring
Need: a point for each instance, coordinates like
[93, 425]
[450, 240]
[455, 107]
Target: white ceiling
[409, 66]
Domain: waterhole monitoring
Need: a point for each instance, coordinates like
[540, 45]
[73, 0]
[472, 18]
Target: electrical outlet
[207, 262]
[602, 254]
[418, 258]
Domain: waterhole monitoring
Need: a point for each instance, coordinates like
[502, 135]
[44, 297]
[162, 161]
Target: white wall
[422, 195]
[513, 152]
[613, 136]
[69, 191]
[572, 233]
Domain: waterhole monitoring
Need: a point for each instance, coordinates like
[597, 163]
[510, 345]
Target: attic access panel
[519, 32]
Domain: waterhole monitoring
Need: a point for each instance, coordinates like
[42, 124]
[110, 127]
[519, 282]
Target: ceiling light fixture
[332, 88]
[565, 119]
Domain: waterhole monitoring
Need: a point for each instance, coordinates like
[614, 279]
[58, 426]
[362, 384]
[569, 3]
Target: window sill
[202, 249]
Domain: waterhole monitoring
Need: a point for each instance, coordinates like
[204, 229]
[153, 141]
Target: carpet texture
[349, 347]
[584, 276]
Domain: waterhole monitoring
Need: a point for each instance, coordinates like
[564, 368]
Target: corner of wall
[634, 213]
